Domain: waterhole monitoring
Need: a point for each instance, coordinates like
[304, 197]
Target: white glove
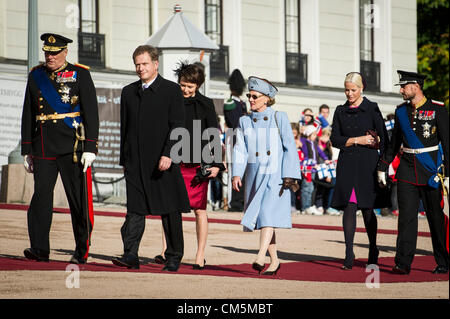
[446, 183]
[28, 163]
[87, 159]
[381, 178]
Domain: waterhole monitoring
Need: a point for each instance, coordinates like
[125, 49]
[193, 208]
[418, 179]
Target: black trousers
[237, 198]
[408, 204]
[41, 207]
[133, 229]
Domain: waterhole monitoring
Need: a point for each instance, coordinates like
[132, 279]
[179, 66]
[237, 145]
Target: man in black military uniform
[59, 135]
[421, 126]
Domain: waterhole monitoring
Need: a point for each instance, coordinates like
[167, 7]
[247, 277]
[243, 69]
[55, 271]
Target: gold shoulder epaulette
[37, 66]
[82, 66]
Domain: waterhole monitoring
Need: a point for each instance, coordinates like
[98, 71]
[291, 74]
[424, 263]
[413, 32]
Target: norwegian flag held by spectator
[323, 171]
[332, 169]
[389, 124]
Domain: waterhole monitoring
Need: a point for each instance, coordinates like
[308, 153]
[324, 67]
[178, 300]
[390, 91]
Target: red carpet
[212, 220]
[324, 270]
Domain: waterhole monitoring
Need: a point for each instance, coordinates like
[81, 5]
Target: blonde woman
[357, 163]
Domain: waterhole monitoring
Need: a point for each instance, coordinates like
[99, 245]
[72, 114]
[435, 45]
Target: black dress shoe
[77, 260]
[171, 266]
[440, 270]
[35, 254]
[160, 260]
[128, 261]
[400, 270]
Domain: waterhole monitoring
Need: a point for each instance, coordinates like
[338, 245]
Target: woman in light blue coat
[266, 153]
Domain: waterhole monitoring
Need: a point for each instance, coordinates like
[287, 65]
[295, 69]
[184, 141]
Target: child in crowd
[324, 187]
[312, 153]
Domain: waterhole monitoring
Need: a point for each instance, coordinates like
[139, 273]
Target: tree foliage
[433, 47]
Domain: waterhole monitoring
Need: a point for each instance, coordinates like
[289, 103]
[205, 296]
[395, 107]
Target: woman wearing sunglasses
[265, 152]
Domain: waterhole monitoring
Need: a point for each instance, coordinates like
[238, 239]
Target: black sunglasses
[253, 96]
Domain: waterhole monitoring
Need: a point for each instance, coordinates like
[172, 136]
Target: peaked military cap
[410, 77]
[54, 42]
[262, 86]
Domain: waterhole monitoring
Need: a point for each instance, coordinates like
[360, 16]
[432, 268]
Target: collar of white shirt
[146, 85]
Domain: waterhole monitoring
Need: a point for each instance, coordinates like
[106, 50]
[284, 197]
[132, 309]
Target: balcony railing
[219, 63]
[296, 68]
[370, 70]
[91, 49]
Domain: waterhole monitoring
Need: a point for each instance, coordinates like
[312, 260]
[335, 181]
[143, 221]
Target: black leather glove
[289, 183]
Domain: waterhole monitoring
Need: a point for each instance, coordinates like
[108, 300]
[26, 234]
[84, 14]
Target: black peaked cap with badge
[54, 42]
[406, 77]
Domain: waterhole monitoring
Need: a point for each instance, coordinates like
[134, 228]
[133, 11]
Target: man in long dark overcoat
[151, 108]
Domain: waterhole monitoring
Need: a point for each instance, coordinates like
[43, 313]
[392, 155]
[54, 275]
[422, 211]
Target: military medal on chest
[426, 130]
[66, 76]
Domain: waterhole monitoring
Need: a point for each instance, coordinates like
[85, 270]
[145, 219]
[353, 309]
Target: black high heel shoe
[258, 267]
[272, 273]
[198, 267]
[348, 262]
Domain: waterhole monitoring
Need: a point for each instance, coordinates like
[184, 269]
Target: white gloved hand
[28, 163]
[87, 159]
[446, 183]
[381, 178]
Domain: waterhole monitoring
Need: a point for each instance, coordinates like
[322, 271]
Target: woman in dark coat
[356, 167]
[200, 116]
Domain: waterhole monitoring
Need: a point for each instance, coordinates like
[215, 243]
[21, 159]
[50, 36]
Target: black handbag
[203, 172]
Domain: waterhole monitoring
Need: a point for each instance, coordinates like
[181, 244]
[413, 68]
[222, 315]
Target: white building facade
[258, 36]
[305, 47]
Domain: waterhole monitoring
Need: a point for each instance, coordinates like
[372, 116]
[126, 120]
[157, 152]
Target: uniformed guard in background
[421, 125]
[59, 134]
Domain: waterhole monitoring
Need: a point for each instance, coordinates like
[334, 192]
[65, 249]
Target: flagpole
[33, 34]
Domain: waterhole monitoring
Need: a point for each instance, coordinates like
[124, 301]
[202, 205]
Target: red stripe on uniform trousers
[90, 207]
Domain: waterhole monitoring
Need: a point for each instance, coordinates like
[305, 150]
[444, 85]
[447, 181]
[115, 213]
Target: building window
[213, 29]
[213, 22]
[370, 69]
[89, 16]
[296, 62]
[91, 44]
